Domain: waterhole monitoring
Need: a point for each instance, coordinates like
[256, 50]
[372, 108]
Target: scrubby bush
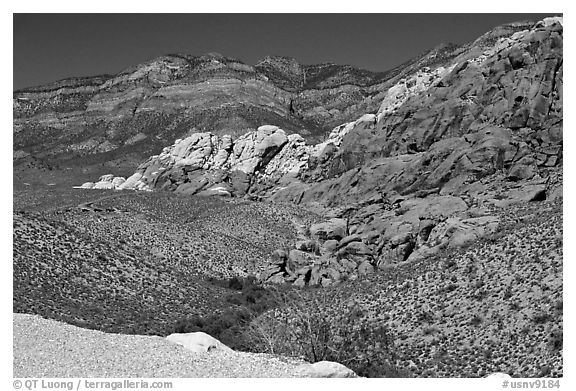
[303, 326]
[556, 340]
[248, 300]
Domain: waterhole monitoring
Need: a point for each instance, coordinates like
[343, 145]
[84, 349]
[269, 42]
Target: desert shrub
[450, 263]
[248, 300]
[235, 283]
[228, 327]
[508, 292]
[559, 305]
[556, 340]
[541, 318]
[429, 330]
[303, 326]
[476, 320]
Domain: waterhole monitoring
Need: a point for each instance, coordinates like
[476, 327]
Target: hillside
[136, 262]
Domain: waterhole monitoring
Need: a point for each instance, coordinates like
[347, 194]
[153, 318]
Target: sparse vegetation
[304, 326]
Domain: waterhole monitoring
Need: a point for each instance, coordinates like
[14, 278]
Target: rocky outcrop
[328, 256]
[417, 83]
[106, 182]
[209, 164]
[424, 176]
[333, 229]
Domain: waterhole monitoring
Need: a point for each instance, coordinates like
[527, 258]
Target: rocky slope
[138, 262]
[493, 306]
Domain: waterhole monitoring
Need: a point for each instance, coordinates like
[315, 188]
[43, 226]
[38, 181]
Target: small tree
[304, 326]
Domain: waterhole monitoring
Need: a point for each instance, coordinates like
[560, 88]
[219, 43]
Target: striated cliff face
[446, 148]
[121, 119]
[144, 108]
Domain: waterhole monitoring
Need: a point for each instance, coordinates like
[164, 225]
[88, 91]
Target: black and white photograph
[287, 195]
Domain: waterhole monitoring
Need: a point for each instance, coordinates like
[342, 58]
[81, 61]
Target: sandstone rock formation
[106, 182]
[218, 165]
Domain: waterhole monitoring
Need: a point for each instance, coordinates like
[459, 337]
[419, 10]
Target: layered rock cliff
[122, 119]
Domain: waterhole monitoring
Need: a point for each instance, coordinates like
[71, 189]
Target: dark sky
[48, 47]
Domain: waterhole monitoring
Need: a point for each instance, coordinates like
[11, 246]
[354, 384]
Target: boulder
[400, 238]
[303, 271]
[118, 181]
[192, 187]
[327, 369]
[198, 342]
[456, 232]
[271, 271]
[277, 278]
[332, 229]
[325, 282]
[350, 239]
[310, 246]
[240, 182]
[356, 248]
[255, 149]
[348, 264]
[365, 268]
[298, 259]
[396, 254]
[87, 185]
[219, 189]
[315, 276]
[300, 281]
[329, 246]
[104, 185]
[279, 257]
[333, 274]
[132, 181]
[268, 128]
[527, 193]
[106, 178]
